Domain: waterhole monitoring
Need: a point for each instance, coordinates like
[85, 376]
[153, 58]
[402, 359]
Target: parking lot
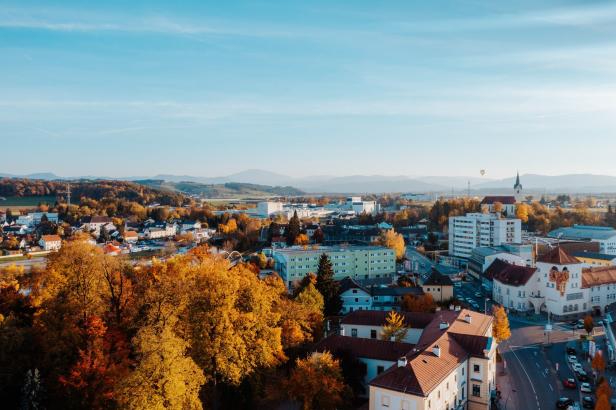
[472, 295]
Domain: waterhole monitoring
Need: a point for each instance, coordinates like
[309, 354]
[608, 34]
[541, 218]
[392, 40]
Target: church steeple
[517, 188]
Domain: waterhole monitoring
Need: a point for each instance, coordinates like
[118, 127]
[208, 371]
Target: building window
[385, 401]
[380, 369]
[476, 390]
[476, 368]
[354, 332]
[373, 334]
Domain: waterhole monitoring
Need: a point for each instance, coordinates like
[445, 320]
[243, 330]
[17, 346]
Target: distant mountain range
[359, 184]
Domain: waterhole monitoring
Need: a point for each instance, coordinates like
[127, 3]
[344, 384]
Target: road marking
[528, 377]
[550, 386]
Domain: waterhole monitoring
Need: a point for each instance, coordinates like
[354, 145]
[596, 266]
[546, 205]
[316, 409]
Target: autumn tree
[229, 315]
[293, 229]
[522, 212]
[500, 326]
[302, 239]
[598, 362]
[328, 286]
[603, 403]
[104, 360]
[301, 316]
[394, 329]
[604, 391]
[418, 303]
[497, 207]
[589, 324]
[393, 241]
[166, 377]
[317, 383]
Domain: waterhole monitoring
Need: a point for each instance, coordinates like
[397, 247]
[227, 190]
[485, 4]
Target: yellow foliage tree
[317, 383]
[229, 227]
[500, 326]
[394, 328]
[394, 241]
[165, 376]
[302, 239]
[230, 316]
[522, 213]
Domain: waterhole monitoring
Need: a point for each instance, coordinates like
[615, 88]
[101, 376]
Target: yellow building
[439, 286]
[595, 258]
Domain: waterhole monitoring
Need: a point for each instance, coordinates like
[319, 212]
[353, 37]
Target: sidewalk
[504, 386]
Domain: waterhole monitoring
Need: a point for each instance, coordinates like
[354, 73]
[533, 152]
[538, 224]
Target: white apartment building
[357, 262]
[268, 208]
[358, 206]
[478, 230]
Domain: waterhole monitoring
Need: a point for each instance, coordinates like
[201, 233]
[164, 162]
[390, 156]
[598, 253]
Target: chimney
[444, 325]
[342, 331]
[436, 350]
[468, 318]
[402, 361]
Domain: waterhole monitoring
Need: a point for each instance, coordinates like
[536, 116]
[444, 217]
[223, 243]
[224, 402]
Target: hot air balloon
[482, 172]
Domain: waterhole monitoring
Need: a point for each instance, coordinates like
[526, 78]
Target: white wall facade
[476, 229]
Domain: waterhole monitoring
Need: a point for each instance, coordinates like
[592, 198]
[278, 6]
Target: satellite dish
[482, 172]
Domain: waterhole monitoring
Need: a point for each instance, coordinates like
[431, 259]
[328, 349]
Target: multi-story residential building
[482, 258]
[605, 236]
[357, 262]
[452, 365]
[358, 206]
[385, 298]
[477, 230]
[268, 208]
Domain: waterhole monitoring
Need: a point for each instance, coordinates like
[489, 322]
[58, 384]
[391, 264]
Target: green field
[25, 201]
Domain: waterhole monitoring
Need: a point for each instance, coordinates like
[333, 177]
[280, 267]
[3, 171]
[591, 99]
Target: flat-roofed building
[358, 262]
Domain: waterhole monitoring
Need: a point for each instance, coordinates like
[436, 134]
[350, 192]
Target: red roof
[558, 256]
[425, 370]
[512, 275]
[505, 200]
[51, 238]
[598, 276]
[361, 347]
[415, 320]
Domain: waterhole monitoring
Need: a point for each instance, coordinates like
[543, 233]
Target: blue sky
[303, 88]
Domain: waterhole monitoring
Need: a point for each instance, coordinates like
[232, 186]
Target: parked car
[585, 388]
[564, 403]
[572, 358]
[571, 349]
[478, 294]
[570, 383]
[582, 376]
[588, 402]
[577, 367]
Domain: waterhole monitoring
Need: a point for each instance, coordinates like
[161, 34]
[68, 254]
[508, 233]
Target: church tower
[517, 188]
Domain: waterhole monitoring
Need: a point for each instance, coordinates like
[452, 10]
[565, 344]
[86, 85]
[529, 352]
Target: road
[535, 371]
[26, 263]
